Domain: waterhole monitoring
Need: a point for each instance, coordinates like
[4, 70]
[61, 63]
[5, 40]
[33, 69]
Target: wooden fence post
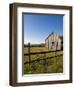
[29, 52]
[56, 57]
[45, 63]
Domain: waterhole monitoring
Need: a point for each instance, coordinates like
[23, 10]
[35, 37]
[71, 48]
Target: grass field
[35, 49]
[51, 65]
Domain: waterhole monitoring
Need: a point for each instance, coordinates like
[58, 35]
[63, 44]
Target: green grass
[53, 65]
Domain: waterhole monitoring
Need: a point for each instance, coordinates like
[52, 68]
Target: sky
[38, 27]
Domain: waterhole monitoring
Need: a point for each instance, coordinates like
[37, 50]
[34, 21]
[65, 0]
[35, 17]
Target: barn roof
[51, 34]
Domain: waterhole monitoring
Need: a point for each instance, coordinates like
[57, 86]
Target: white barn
[53, 42]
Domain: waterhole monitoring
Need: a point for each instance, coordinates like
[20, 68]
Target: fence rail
[38, 59]
[43, 52]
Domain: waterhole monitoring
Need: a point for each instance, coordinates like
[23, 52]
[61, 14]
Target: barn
[53, 42]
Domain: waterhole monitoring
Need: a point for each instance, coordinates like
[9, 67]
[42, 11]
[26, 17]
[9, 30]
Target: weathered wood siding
[53, 42]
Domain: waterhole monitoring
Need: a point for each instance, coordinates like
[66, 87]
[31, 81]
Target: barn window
[53, 43]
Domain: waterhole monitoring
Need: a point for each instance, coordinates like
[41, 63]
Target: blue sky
[38, 27]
